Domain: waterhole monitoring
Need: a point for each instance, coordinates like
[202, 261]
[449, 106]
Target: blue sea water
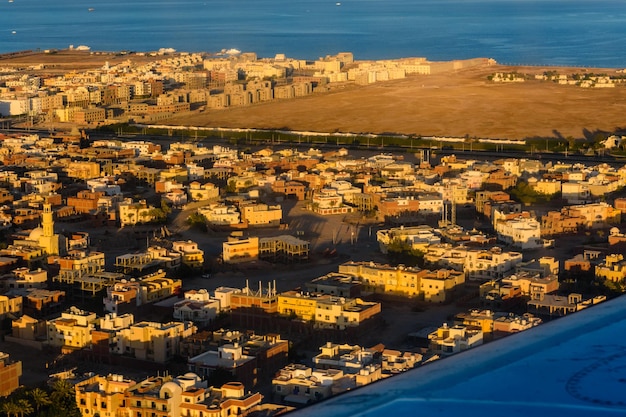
[541, 32]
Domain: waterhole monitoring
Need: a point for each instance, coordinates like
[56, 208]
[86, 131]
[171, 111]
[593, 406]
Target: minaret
[48, 241]
[47, 222]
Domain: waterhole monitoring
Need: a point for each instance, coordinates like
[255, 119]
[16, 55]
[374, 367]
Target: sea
[523, 32]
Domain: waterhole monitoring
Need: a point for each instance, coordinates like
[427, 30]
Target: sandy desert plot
[453, 104]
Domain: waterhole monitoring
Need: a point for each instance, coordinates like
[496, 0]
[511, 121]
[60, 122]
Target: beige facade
[384, 278]
[192, 255]
[240, 250]
[152, 341]
[72, 330]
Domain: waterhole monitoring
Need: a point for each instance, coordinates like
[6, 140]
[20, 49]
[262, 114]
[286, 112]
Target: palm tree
[61, 390]
[24, 407]
[40, 398]
[10, 408]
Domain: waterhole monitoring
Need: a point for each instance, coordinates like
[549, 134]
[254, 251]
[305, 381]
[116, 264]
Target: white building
[521, 232]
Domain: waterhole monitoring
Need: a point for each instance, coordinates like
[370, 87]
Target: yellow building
[476, 318]
[157, 286]
[340, 313]
[297, 304]
[72, 330]
[438, 286]
[102, 395]
[83, 170]
[240, 250]
[384, 278]
[131, 213]
[152, 341]
[10, 306]
[613, 268]
[192, 256]
[261, 214]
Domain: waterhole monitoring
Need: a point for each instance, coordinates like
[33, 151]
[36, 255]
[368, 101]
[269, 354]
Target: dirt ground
[453, 104]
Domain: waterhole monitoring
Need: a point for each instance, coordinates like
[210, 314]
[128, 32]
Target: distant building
[10, 373]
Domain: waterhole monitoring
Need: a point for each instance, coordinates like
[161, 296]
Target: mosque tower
[48, 241]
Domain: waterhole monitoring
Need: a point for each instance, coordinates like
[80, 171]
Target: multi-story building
[532, 284]
[283, 248]
[337, 284]
[483, 265]
[102, 395]
[384, 278]
[193, 257]
[10, 306]
[10, 373]
[522, 232]
[72, 330]
[299, 384]
[151, 341]
[439, 286]
[230, 358]
[289, 189]
[340, 313]
[197, 307]
[237, 250]
[261, 214]
[613, 268]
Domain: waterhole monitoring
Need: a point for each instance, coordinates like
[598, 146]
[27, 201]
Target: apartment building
[483, 265]
[102, 395]
[521, 232]
[384, 278]
[441, 285]
[261, 214]
[71, 331]
[152, 341]
[298, 384]
[237, 250]
[10, 305]
[10, 373]
[341, 313]
[230, 358]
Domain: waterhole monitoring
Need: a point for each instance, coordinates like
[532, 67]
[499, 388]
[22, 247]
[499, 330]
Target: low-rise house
[557, 305]
[197, 307]
[395, 361]
[450, 340]
[511, 323]
[300, 385]
[351, 359]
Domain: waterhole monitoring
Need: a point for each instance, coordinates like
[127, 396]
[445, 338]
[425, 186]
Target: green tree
[24, 406]
[10, 408]
[40, 398]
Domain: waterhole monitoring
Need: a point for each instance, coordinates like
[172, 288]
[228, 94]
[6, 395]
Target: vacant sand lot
[453, 104]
